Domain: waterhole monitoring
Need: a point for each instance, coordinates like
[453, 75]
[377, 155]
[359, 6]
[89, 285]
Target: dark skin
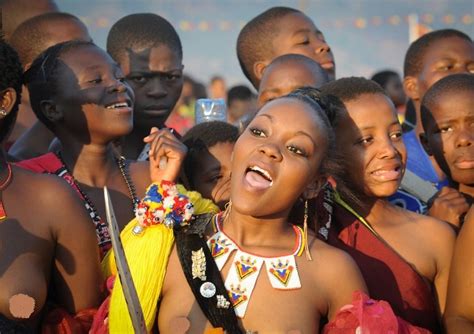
[300, 36]
[211, 175]
[449, 139]
[277, 82]
[444, 57]
[374, 149]
[459, 316]
[31, 137]
[155, 75]
[89, 81]
[44, 246]
[280, 142]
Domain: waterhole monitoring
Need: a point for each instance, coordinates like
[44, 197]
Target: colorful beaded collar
[246, 267]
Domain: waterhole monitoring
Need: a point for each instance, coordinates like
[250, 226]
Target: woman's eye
[396, 135]
[215, 178]
[95, 81]
[257, 132]
[296, 150]
[366, 141]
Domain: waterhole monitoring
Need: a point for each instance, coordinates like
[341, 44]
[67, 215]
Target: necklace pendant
[282, 273]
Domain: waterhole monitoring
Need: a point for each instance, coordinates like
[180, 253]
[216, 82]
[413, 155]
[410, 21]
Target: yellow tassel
[147, 256]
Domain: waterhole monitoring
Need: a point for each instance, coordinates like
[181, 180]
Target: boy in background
[448, 121]
[279, 31]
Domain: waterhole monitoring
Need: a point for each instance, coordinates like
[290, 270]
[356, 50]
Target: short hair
[309, 63]
[348, 89]
[383, 77]
[254, 42]
[452, 83]
[14, 12]
[41, 77]
[413, 64]
[141, 31]
[203, 136]
[30, 38]
[239, 92]
[10, 77]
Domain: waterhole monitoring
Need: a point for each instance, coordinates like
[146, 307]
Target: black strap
[192, 239]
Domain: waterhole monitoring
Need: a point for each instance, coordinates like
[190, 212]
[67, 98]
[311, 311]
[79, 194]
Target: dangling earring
[226, 212]
[305, 231]
[3, 112]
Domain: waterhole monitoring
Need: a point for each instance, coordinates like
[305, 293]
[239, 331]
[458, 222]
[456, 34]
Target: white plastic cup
[207, 110]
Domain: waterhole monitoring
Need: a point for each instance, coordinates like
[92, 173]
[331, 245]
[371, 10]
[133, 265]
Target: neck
[371, 208]
[248, 231]
[467, 189]
[419, 126]
[132, 144]
[90, 164]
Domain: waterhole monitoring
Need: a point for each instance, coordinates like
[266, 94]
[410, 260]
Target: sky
[365, 35]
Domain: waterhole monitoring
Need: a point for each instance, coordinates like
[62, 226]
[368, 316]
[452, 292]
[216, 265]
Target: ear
[258, 69]
[50, 111]
[8, 100]
[312, 190]
[426, 144]
[410, 85]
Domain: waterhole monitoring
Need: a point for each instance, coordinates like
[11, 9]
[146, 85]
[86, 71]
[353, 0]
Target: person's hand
[449, 205]
[166, 154]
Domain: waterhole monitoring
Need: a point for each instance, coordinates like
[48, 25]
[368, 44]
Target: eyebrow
[305, 30]
[156, 72]
[368, 127]
[265, 115]
[307, 135]
[93, 67]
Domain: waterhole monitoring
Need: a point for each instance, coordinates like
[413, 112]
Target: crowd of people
[352, 195]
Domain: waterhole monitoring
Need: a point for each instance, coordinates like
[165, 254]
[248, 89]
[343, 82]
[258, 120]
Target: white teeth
[118, 105]
[262, 172]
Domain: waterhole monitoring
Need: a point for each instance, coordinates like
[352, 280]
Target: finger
[153, 133]
[168, 149]
[167, 141]
[451, 196]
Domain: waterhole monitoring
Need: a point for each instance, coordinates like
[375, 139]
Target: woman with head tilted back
[79, 92]
[47, 247]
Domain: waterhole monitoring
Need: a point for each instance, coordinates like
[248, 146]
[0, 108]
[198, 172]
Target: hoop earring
[3, 112]
[305, 231]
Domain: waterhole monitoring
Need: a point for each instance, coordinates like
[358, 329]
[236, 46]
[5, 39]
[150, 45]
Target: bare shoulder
[331, 261]
[430, 229]
[55, 200]
[336, 275]
[49, 190]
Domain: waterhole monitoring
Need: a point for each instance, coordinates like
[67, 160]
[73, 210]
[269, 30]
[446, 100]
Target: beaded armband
[163, 204]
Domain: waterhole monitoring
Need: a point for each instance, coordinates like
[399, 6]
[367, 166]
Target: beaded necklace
[281, 271]
[101, 227]
[6, 183]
